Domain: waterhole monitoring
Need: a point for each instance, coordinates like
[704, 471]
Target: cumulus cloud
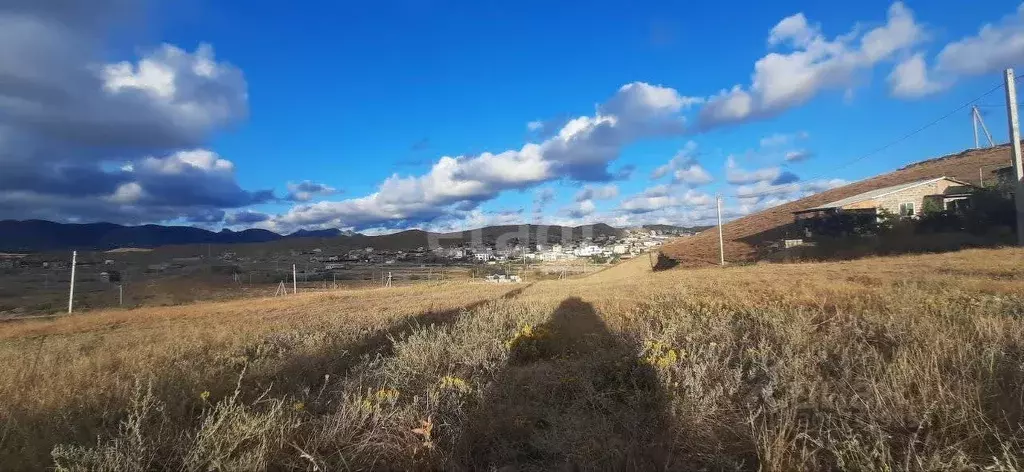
[186, 184]
[597, 192]
[764, 188]
[212, 216]
[662, 197]
[198, 178]
[84, 137]
[736, 175]
[79, 135]
[581, 151]
[580, 209]
[994, 47]
[625, 172]
[798, 155]
[814, 63]
[305, 191]
[542, 197]
[909, 79]
[245, 218]
[684, 168]
[782, 139]
[765, 194]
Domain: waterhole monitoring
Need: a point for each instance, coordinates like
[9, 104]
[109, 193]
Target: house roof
[881, 192]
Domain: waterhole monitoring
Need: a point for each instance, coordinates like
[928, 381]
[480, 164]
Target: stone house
[907, 200]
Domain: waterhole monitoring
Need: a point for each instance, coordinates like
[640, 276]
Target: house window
[958, 205]
[907, 209]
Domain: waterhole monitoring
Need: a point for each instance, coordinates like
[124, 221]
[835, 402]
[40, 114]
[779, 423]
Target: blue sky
[379, 116]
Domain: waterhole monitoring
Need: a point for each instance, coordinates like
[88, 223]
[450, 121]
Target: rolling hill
[41, 236]
[745, 235]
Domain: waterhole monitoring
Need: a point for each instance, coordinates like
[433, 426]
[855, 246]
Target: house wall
[913, 195]
[862, 205]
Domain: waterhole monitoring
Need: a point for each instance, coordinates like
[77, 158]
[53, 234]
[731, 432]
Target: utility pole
[1018, 167]
[71, 291]
[120, 295]
[975, 120]
[721, 240]
[295, 285]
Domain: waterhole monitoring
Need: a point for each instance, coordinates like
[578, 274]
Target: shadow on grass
[308, 370]
[29, 437]
[573, 396]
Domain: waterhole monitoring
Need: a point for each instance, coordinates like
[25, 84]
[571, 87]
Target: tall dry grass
[910, 363]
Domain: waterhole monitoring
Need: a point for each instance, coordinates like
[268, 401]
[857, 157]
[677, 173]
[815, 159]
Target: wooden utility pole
[1018, 167]
[295, 283]
[71, 291]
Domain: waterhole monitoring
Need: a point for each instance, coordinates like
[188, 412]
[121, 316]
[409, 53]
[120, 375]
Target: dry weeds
[909, 363]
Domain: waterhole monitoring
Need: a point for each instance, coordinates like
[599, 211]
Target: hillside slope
[744, 235]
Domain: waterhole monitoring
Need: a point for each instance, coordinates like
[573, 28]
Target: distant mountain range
[40, 236]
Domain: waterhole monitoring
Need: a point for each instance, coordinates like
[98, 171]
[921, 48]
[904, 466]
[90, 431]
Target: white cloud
[816, 186]
[765, 194]
[581, 208]
[305, 191]
[193, 185]
[782, 139]
[639, 101]
[765, 187]
[127, 193]
[909, 79]
[738, 176]
[180, 162]
[245, 218]
[781, 81]
[684, 168]
[78, 132]
[995, 47]
[693, 175]
[797, 155]
[581, 150]
[196, 177]
[541, 198]
[597, 192]
[662, 197]
[793, 29]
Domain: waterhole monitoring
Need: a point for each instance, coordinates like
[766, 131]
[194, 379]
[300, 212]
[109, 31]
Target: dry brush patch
[908, 363]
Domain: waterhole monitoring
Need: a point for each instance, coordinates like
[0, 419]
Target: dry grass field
[907, 363]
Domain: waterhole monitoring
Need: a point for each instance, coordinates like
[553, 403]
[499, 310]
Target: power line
[918, 130]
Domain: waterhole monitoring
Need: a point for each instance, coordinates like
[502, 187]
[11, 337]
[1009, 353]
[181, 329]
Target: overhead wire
[918, 130]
